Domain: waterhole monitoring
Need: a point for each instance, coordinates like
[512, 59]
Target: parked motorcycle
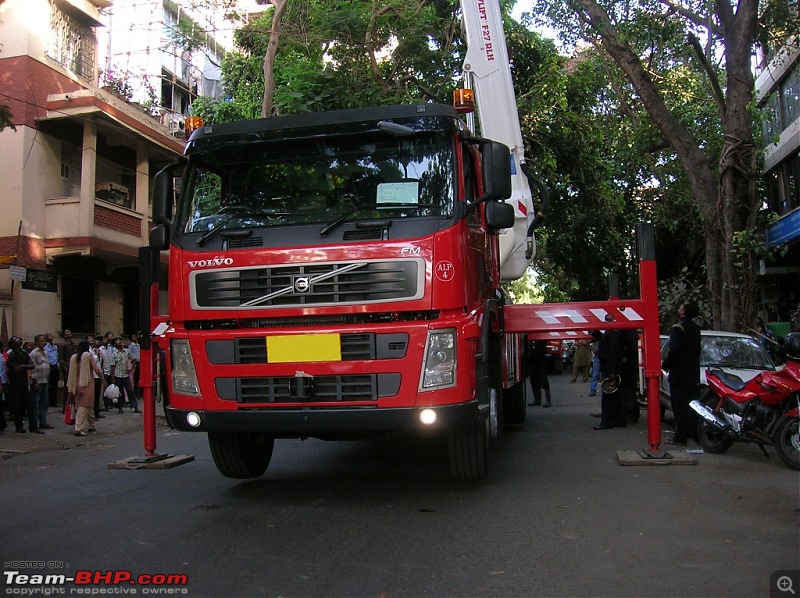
[765, 410]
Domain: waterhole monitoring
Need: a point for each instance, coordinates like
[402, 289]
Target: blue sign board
[784, 230]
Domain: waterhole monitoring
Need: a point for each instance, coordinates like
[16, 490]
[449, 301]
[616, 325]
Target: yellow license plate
[303, 348]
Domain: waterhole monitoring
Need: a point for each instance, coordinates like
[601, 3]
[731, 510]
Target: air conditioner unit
[176, 125]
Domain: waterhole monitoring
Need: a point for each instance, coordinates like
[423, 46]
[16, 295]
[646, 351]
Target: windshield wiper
[396, 129]
[214, 230]
[334, 223]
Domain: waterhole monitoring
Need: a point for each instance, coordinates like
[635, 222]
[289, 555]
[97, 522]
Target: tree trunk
[269, 58]
[737, 167]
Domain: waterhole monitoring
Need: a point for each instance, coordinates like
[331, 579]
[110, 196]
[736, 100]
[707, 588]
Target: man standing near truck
[683, 364]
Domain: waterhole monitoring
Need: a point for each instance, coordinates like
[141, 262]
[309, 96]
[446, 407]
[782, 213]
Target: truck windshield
[319, 180]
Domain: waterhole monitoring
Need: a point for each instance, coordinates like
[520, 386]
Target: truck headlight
[439, 368]
[184, 376]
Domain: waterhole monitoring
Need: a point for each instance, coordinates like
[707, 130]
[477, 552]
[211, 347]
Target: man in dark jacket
[18, 364]
[537, 372]
[683, 364]
[610, 354]
[629, 413]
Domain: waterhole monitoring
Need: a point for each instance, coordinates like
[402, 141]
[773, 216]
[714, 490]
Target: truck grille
[365, 346]
[308, 284]
[320, 389]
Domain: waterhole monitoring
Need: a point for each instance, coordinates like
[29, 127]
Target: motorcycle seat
[730, 380]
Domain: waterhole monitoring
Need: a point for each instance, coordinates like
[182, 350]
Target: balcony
[115, 233]
[109, 153]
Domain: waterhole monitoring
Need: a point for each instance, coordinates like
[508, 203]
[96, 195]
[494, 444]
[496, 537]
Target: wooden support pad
[648, 457]
[155, 462]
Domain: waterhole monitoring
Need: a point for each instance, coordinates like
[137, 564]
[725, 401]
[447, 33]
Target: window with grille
[73, 44]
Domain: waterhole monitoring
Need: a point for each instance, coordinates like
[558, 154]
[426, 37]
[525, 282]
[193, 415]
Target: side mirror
[159, 240]
[496, 170]
[163, 197]
[163, 194]
[499, 215]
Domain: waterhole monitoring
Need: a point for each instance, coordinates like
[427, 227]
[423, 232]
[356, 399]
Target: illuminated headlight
[184, 376]
[439, 369]
[427, 417]
[193, 419]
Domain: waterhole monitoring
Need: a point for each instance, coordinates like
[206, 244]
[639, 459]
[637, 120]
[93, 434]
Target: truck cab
[336, 275]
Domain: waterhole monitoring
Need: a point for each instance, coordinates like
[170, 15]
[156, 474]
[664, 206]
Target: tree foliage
[682, 74]
[342, 54]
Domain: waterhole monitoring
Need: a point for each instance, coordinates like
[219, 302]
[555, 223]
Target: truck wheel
[468, 449]
[241, 455]
[514, 408]
[787, 441]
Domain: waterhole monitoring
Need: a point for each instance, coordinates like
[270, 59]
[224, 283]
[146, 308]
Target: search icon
[784, 584]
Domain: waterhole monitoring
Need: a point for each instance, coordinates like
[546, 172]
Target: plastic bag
[112, 392]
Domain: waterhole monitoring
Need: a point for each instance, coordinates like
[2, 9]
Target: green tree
[656, 44]
[579, 140]
[341, 54]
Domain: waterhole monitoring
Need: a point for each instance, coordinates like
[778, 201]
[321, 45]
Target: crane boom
[487, 70]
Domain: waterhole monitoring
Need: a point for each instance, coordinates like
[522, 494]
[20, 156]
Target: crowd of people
[32, 372]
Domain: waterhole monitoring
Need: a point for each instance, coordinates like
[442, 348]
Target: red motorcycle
[764, 410]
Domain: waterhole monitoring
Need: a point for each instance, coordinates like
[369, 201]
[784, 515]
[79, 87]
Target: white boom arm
[486, 68]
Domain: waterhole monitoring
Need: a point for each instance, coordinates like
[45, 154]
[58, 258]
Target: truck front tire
[468, 449]
[241, 455]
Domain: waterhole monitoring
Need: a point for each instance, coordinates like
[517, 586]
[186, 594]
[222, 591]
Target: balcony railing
[111, 222]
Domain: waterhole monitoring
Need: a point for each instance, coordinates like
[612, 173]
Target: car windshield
[319, 180]
[733, 352]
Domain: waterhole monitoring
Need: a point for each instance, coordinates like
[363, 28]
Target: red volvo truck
[336, 275]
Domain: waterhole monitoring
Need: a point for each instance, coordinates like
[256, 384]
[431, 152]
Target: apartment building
[98, 91]
[778, 93]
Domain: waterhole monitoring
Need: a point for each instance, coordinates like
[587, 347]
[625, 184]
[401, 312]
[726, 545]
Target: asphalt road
[558, 516]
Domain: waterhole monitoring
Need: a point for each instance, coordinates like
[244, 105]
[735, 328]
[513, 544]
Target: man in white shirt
[39, 380]
[99, 384]
[106, 352]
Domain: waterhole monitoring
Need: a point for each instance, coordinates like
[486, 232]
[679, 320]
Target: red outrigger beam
[564, 320]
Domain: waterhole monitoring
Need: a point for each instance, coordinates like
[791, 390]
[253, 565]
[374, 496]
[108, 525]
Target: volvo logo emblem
[302, 285]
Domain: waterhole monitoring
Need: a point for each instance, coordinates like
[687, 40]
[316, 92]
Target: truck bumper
[286, 423]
